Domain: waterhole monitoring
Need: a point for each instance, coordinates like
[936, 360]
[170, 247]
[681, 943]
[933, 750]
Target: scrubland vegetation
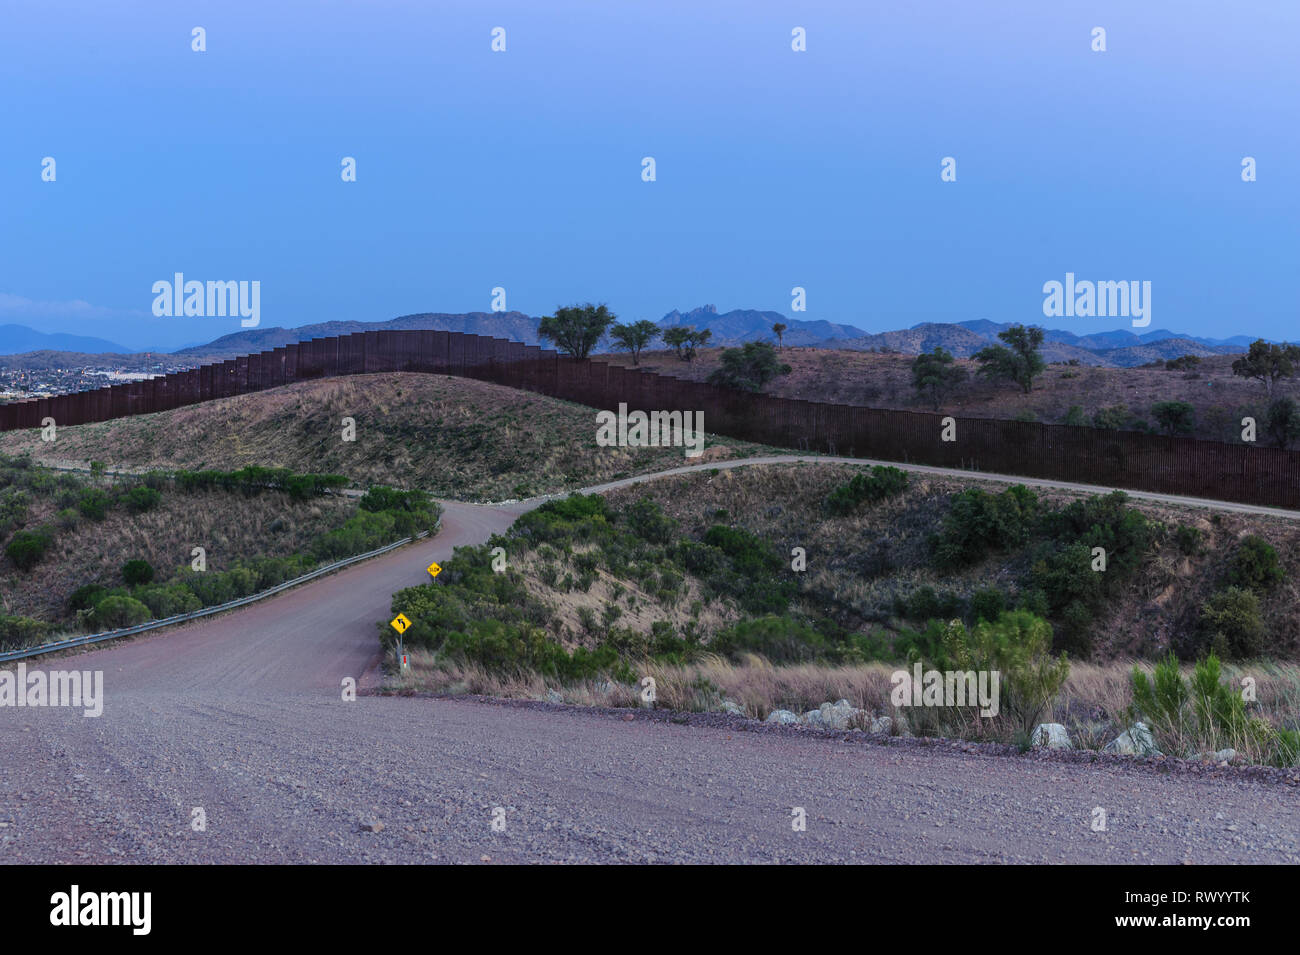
[86, 554]
[696, 581]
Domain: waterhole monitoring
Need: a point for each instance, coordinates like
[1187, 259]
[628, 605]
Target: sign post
[401, 624]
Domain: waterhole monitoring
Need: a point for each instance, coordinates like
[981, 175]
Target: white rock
[838, 715]
[732, 707]
[1134, 741]
[1052, 736]
[782, 716]
[882, 725]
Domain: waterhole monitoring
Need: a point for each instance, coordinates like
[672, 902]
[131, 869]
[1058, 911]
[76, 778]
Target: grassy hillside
[885, 381]
[452, 437]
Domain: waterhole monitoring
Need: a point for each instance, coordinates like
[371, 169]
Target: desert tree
[1176, 417]
[1282, 421]
[577, 329]
[935, 373]
[1267, 363]
[634, 337]
[748, 368]
[685, 340]
[1017, 360]
[779, 329]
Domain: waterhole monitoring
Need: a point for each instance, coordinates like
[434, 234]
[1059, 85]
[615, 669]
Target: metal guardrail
[208, 611]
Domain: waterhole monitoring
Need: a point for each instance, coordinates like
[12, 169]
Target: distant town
[18, 384]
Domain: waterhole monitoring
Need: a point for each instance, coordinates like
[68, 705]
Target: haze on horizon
[775, 168]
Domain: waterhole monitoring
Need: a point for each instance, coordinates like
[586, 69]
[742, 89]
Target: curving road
[242, 715]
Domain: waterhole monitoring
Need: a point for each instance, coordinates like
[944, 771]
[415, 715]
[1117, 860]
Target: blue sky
[522, 169]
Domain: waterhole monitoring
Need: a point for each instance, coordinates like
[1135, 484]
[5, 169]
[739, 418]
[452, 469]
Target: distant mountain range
[1117, 349]
[1120, 348]
[16, 339]
[747, 325]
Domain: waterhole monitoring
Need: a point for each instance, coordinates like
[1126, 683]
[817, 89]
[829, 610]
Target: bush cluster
[879, 484]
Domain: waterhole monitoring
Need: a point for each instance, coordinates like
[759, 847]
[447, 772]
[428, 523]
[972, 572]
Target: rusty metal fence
[1121, 459]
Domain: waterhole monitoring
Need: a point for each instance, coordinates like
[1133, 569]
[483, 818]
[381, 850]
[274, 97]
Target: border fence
[1122, 459]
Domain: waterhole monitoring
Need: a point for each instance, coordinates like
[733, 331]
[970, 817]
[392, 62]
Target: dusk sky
[523, 169]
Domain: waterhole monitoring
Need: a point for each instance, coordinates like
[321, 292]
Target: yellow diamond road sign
[400, 623]
[434, 570]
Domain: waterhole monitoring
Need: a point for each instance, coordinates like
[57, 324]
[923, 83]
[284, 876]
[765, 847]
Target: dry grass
[637, 609]
[1092, 705]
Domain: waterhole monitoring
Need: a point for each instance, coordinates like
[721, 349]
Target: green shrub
[1017, 646]
[1255, 565]
[19, 632]
[85, 597]
[879, 485]
[988, 604]
[168, 600]
[924, 604]
[647, 521]
[141, 498]
[93, 503]
[137, 572]
[779, 639]
[755, 575]
[363, 531]
[1112, 418]
[26, 548]
[1176, 417]
[382, 498]
[749, 554]
[979, 523]
[510, 648]
[1188, 539]
[1231, 624]
[1108, 522]
[254, 478]
[13, 509]
[114, 613]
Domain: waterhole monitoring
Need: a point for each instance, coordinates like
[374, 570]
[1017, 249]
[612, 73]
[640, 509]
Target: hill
[515, 326]
[452, 437]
